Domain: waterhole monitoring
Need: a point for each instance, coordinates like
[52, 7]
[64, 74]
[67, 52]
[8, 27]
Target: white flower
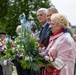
[13, 48]
[18, 46]
[47, 57]
[27, 58]
[0, 44]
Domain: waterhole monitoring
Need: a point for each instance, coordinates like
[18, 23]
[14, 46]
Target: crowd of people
[59, 43]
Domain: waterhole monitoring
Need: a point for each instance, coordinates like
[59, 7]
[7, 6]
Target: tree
[13, 8]
[3, 12]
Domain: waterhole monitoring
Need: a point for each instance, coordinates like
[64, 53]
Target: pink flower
[13, 45]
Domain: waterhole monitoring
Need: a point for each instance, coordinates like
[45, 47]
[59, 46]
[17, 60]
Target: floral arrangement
[27, 51]
[27, 47]
[7, 50]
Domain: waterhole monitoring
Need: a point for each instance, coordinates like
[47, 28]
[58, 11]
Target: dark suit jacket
[1, 70]
[45, 34]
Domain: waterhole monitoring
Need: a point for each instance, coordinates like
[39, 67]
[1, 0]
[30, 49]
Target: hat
[2, 33]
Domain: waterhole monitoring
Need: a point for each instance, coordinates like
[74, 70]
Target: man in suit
[45, 32]
[44, 18]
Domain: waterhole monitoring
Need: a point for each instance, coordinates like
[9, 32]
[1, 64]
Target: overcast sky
[68, 8]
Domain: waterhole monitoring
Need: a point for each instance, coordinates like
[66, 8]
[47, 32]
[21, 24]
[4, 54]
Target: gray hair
[53, 9]
[44, 10]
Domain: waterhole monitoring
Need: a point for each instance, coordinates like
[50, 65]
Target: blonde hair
[44, 10]
[60, 20]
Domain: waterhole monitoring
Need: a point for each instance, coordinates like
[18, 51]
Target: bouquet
[27, 48]
[7, 50]
[27, 51]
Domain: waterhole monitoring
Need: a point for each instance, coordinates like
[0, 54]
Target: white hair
[18, 29]
[44, 10]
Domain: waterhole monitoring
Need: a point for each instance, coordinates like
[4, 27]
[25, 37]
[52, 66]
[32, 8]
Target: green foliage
[28, 54]
[11, 9]
[24, 49]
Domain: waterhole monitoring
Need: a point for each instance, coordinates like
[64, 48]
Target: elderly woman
[61, 48]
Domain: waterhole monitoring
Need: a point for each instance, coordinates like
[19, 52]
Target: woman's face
[55, 27]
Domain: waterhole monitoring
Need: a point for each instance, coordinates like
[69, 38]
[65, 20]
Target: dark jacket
[45, 34]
